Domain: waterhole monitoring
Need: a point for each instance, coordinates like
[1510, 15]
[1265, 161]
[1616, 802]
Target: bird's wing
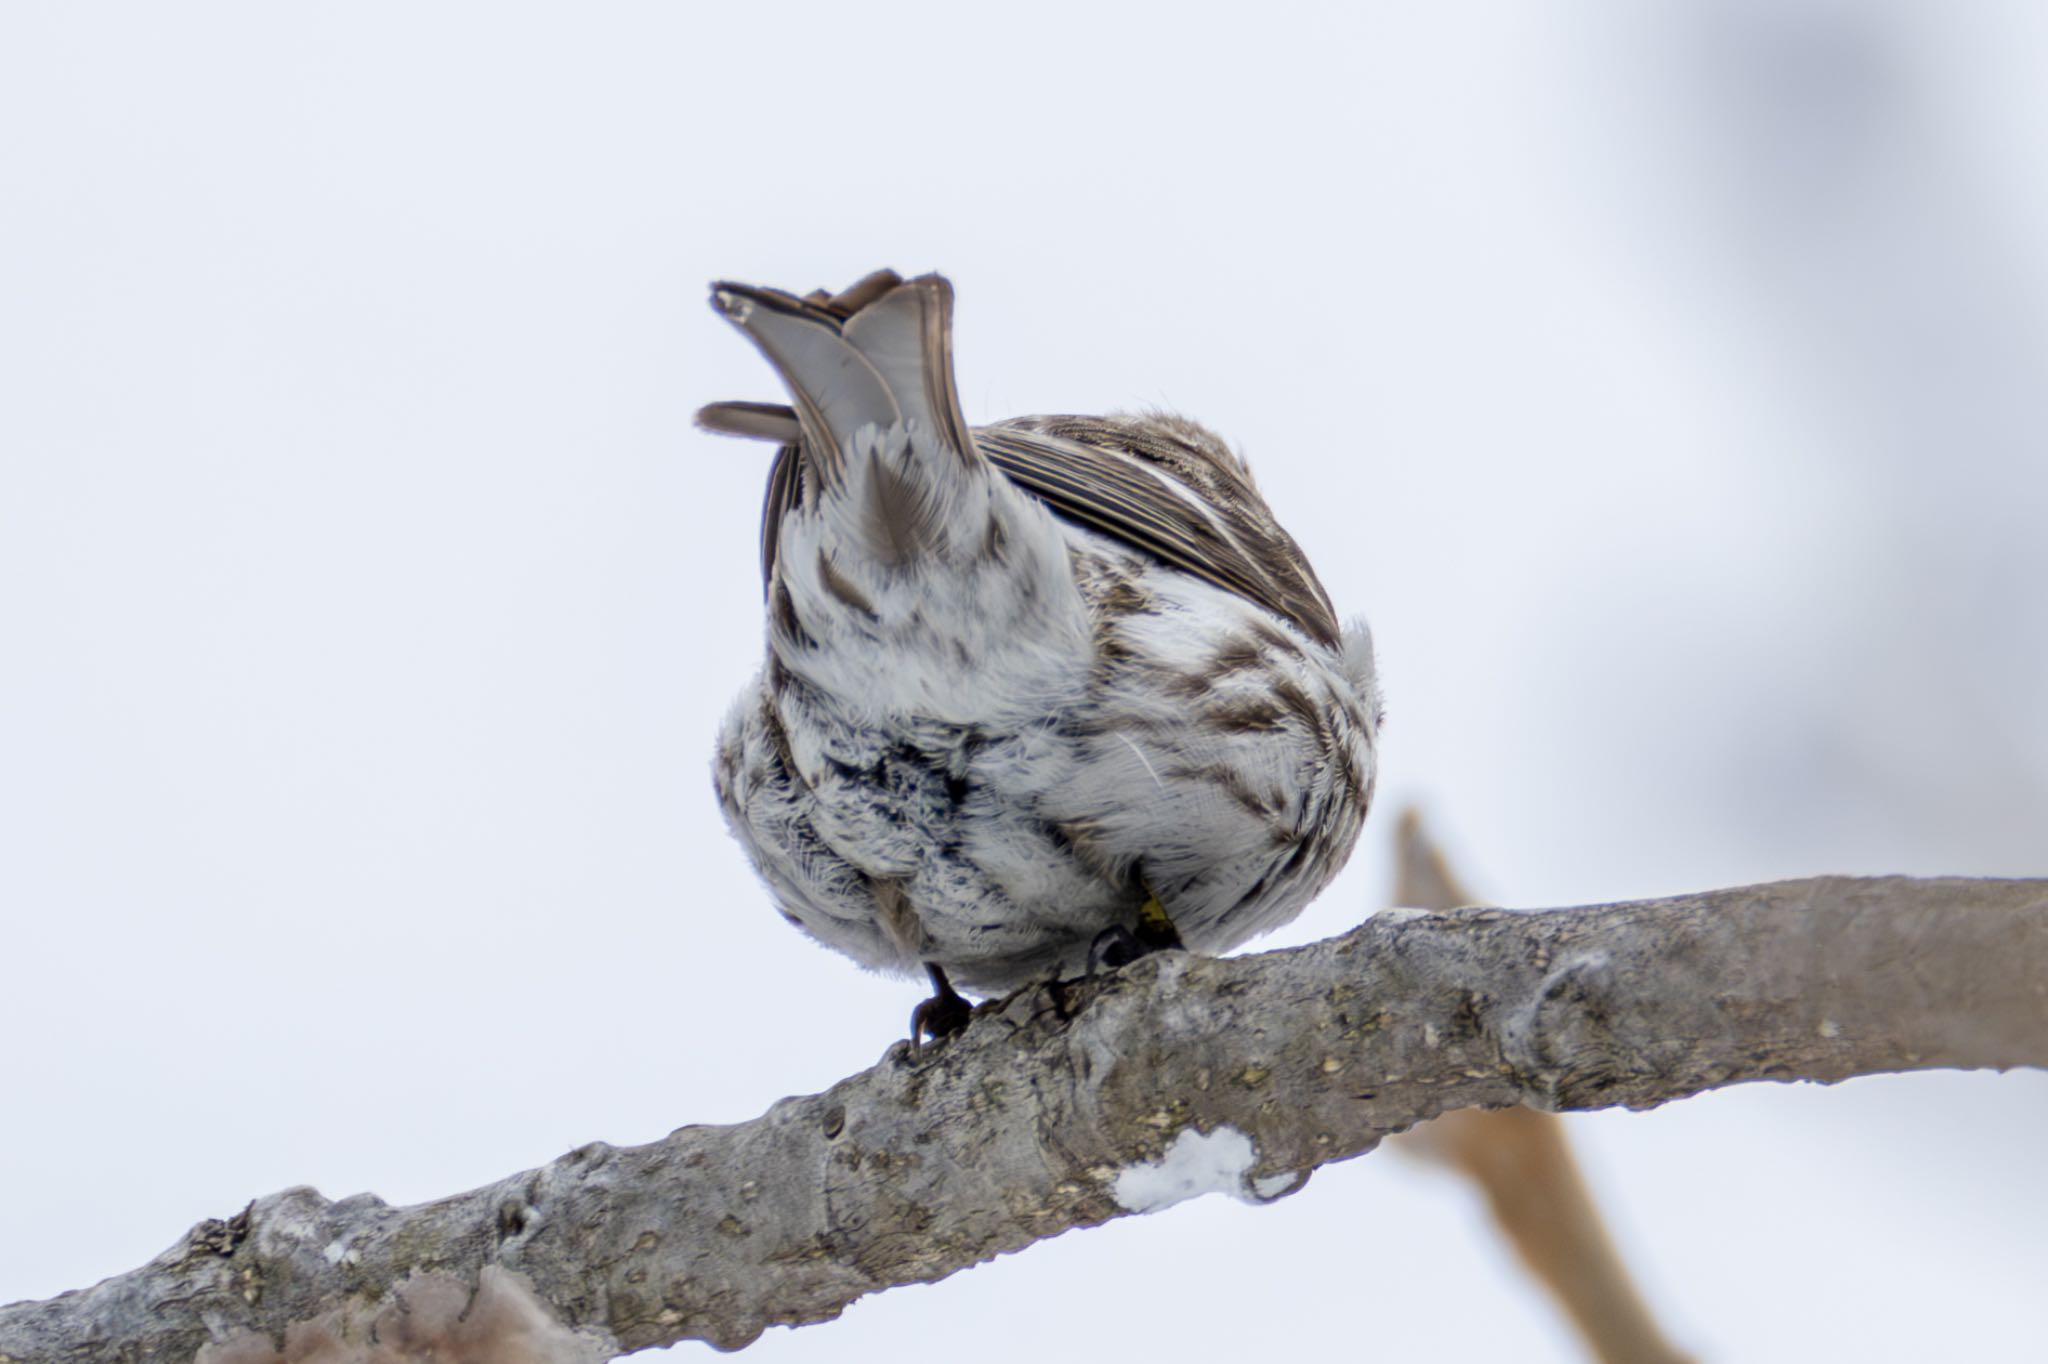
[1171, 490]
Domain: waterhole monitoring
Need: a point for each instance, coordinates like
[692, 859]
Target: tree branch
[1066, 1106]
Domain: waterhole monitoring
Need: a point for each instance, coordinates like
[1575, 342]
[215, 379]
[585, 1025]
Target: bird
[1039, 696]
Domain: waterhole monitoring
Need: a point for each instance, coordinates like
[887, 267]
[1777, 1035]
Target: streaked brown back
[1161, 485]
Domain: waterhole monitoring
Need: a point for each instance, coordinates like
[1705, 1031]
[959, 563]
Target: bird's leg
[944, 1014]
[1117, 946]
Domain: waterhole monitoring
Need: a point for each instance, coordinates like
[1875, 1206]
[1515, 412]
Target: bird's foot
[939, 1017]
[1117, 946]
[1114, 947]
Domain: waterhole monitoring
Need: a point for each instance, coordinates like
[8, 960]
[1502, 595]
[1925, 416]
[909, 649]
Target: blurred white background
[1667, 381]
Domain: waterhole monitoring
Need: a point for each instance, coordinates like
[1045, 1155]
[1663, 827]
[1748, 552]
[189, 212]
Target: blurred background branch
[1522, 1162]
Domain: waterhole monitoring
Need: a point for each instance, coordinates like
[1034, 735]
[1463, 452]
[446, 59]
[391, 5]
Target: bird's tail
[879, 353]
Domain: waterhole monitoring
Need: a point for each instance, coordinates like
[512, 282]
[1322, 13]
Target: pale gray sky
[1663, 380]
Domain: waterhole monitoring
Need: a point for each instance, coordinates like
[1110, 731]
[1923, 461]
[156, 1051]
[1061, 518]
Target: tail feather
[879, 353]
[753, 421]
[834, 388]
[907, 334]
[858, 294]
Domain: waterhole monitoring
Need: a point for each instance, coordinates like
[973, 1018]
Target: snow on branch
[1066, 1106]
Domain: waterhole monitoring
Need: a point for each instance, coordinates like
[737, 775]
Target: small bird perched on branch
[1040, 695]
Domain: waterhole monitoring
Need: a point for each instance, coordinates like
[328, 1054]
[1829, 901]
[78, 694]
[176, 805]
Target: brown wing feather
[1107, 474]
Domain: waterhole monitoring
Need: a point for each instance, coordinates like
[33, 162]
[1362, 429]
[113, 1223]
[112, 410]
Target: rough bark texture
[1019, 1128]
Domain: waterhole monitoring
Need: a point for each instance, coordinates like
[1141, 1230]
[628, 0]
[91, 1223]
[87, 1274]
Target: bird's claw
[939, 1017]
[1114, 948]
[1117, 946]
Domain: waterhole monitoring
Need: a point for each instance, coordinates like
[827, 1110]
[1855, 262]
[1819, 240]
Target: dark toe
[1114, 947]
[939, 1017]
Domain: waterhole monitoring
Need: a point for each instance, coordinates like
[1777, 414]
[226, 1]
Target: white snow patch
[1269, 1187]
[1400, 915]
[1195, 1164]
[337, 1252]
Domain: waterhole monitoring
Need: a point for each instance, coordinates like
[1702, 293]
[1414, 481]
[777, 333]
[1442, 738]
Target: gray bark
[1056, 1109]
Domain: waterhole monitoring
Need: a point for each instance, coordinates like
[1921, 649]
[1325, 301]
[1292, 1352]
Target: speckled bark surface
[1015, 1130]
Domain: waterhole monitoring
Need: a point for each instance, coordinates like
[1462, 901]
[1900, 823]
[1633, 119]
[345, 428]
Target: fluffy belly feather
[985, 772]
